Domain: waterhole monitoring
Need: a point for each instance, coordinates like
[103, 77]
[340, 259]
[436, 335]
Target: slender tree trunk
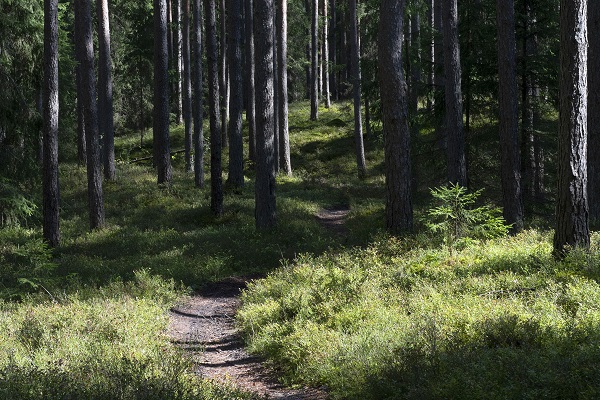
[572, 210]
[216, 179]
[314, 60]
[51, 193]
[265, 163]
[198, 109]
[284, 134]
[170, 30]
[399, 213]
[85, 49]
[508, 121]
[415, 71]
[431, 55]
[236, 100]
[161, 113]
[333, 37]
[178, 60]
[457, 166]
[594, 112]
[223, 75]
[251, 94]
[356, 82]
[326, 68]
[275, 95]
[81, 145]
[439, 80]
[187, 85]
[105, 91]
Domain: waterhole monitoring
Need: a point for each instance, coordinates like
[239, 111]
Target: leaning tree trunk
[265, 206]
[236, 100]
[396, 133]
[594, 112]
[85, 49]
[198, 108]
[162, 151]
[216, 180]
[284, 133]
[572, 211]
[187, 85]
[314, 61]
[250, 106]
[457, 165]
[356, 82]
[508, 122]
[51, 193]
[105, 91]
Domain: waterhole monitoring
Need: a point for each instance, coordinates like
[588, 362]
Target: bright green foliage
[15, 208]
[403, 320]
[457, 219]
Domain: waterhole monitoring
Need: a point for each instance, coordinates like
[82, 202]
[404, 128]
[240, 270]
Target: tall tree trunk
[572, 211]
[224, 88]
[187, 85]
[431, 55]
[85, 49]
[198, 109]
[415, 71]
[236, 100]
[51, 193]
[508, 122]
[161, 113]
[81, 145]
[265, 163]
[439, 80]
[216, 179]
[457, 166]
[594, 112]
[356, 82]
[105, 91]
[275, 96]
[170, 30]
[178, 61]
[314, 62]
[251, 94]
[399, 213]
[284, 133]
[326, 68]
[333, 37]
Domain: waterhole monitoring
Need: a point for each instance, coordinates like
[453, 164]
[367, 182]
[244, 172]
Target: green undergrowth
[401, 320]
[107, 343]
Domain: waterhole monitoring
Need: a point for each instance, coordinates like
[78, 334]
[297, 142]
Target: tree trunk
[356, 82]
[572, 211]
[415, 71]
[216, 179]
[275, 95]
[223, 75]
[198, 109]
[431, 55]
[187, 85]
[105, 91]
[177, 47]
[457, 168]
[81, 145]
[326, 55]
[439, 80]
[236, 100]
[594, 112]
[85, 49]
[161, 113]
[333, 36]
[284, 134]
[399, 213]
[508, 121]
[51, 193]
[314, 62]
[265, 163]
[251, 106]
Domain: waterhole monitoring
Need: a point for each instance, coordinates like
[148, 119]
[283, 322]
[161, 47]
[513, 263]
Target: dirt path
[204, 326]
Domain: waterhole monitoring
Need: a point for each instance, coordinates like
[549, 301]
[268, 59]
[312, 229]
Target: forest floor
[204, 326]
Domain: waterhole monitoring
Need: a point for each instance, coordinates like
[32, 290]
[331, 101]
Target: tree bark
[177, 47]
[594, 112]
[314, 61]
[265, 207]
[216, 179]
[457, 166]
[508, 122]
[187, 85]
[85, 49]
[396, 133]
[275, 94]
[572, 211]
[105, 91]
[333, 37]
[431, 55]
[284, 133]
[51, 193]
[356, 82]
[439, 80]
[224, 88]
[415, 71]
[326, 68]
[161, 113]
[236, 100]
[81, 145]
[251, 105]
[198, 109]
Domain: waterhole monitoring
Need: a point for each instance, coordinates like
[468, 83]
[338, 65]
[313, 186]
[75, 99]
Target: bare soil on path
[204, 326]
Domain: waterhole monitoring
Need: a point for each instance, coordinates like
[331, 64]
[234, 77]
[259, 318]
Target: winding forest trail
[204, 326]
